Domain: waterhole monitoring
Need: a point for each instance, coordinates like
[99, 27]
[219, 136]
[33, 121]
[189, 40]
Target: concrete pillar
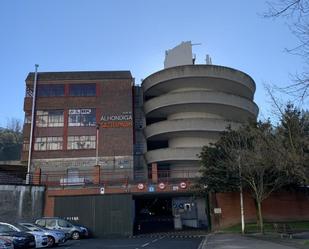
[96, 174]
[36, 177]
[154, 172]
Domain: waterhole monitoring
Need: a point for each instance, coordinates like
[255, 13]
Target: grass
[268, 227]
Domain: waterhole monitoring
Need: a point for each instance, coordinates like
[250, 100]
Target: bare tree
[296, 12]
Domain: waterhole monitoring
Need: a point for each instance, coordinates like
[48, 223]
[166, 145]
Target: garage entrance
[153, 214]
[167, 212]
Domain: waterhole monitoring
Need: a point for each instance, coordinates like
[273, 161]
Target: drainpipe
[32, 123]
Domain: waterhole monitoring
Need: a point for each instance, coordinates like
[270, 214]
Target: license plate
[31, 243]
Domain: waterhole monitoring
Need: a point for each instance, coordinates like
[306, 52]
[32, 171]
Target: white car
[40, 238]
[6, 243]
[55, 237]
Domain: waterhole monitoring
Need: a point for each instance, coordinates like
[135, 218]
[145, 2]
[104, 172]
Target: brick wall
[281, 206]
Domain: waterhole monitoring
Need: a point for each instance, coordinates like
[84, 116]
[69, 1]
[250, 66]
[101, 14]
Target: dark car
[20, 240]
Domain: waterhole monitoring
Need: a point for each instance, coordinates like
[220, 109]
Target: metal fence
[104, 177]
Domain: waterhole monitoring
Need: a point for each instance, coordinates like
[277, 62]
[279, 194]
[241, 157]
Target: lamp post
[32, 123]
[97, 144]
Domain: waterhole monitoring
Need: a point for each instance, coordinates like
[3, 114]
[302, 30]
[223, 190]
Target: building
[121, 158]
[69, 106]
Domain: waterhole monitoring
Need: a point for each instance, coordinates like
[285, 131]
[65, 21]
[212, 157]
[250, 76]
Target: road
[134, 243]
[228, 241]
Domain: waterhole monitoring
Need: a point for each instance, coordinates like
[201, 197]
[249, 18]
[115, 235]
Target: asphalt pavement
[231, 241]
[135, 243]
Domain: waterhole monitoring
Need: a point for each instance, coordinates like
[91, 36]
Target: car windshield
[21, 228]
[6, 228]
[33, 227]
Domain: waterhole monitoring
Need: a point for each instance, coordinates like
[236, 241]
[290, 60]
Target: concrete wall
[21, 202]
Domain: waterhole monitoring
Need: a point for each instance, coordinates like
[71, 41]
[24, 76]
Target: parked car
[40, 237]
[21, 240]
[55, 237]
[6, 243]
[75, 231]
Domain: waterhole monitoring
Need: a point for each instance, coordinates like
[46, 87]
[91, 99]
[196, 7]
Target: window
[81, 142]
[48, 143]
[82, 117]
[26, 144]
[41, 223]
[64, 223]
[51, 223]
[27, 119]
[82, 90]
[49, 118]
[50, 90]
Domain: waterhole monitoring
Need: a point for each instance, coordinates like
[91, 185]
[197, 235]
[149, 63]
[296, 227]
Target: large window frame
[50, 90]
[82, 90]
[81, 142]
[48, 143]
[49, 118]
[82, 117]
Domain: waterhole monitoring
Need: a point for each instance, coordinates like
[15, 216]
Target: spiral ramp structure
[186, 107]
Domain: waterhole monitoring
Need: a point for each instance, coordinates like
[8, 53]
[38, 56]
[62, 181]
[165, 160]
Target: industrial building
[128, 154]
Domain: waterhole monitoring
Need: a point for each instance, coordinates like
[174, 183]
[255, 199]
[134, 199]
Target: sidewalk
[231, 241]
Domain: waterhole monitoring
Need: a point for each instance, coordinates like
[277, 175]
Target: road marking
[146, 244]
[154, 240]
[204, 243]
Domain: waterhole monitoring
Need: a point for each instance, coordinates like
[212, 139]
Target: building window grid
[82, 117]
[81, 142]
[82, 90]
[53, 118]
[54, 90]
[48, 143]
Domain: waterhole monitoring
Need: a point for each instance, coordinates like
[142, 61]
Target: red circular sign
[140, 186]
[183, 185]
[161, 185]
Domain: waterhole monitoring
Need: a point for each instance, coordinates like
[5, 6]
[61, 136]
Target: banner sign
[123, 120]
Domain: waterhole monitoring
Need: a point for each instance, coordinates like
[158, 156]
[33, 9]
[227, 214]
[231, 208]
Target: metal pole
[32, 122]
[241, 199]
[97, 146]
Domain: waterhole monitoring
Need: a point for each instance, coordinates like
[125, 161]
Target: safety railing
[97, 176]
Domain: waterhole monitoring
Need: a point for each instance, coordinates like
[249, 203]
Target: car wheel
[50, 241]
[75, 235]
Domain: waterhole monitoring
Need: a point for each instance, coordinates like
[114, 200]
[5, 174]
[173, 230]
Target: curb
[169, 236]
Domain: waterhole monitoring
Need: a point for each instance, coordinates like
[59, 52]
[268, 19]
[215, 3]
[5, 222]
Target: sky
[94, 35]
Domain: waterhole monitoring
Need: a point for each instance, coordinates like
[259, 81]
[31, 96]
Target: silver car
[55, 237]
[75, 231]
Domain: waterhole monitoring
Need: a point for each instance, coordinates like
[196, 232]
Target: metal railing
[84, 178]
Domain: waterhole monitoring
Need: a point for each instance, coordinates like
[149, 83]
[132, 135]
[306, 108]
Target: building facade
[81, 119]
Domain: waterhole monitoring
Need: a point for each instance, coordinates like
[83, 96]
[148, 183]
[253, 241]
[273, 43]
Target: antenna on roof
[208, 60]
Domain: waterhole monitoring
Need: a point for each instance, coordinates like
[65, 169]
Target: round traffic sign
[161, 185]
[183, 185]
[140, 186]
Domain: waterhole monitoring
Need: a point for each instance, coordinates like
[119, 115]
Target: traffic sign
[161, 185]
[183, 185]
[140, 186]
